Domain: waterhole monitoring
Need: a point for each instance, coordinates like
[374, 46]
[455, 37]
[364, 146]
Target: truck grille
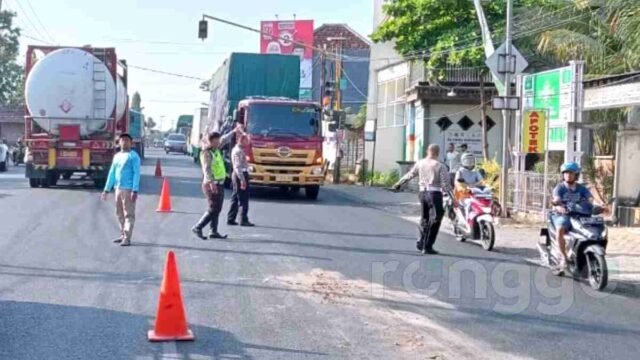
[271, 157]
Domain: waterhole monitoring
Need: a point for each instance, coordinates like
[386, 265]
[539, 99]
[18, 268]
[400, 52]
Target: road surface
[325, 279]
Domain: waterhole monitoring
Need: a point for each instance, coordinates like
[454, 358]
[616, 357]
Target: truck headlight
[317, 171]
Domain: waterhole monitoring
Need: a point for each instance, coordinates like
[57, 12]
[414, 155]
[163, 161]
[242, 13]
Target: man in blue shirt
[565, 195]
[124, 176]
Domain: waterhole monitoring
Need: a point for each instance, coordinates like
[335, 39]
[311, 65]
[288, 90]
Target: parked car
[176, 143]
[157, 143]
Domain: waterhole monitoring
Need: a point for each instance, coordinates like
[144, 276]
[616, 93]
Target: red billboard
[287, 38]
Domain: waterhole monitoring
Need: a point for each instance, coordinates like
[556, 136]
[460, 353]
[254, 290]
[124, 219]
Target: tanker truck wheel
[67, 175]
[99, 183]
[33, 183]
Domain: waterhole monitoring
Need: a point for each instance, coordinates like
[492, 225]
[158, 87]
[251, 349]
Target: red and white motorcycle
[473, 219]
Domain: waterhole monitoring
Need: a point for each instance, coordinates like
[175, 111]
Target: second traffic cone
[171, 321]
[158, 169]
[164, 205]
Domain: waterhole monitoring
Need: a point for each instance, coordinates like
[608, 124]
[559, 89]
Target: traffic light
[329, 88]
[202, 29]
[337, 119]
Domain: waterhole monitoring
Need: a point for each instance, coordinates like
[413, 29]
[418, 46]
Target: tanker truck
[76, 102]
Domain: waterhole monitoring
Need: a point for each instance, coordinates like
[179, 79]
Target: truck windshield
[283, 120]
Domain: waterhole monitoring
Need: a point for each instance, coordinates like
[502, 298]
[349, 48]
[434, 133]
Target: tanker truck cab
[285, 147]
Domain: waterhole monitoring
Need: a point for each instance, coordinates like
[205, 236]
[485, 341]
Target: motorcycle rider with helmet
[466, 177]
[569, 192]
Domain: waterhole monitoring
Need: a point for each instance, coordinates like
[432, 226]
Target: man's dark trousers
[240, 198]
[212, 214]
[432, 213]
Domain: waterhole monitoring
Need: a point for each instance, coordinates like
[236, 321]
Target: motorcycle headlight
[605, 233]
[317, 171]
[252, 169]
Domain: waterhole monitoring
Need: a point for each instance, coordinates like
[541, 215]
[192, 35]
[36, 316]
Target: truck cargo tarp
[244, 75]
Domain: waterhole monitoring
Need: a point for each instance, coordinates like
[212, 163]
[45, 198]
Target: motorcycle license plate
[284, 178]
[592, 221]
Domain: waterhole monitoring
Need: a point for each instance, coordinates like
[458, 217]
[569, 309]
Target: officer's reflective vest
[217, 166]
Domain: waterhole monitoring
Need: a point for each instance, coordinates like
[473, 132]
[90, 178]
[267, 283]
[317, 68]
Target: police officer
[433, 180]
[214, 175]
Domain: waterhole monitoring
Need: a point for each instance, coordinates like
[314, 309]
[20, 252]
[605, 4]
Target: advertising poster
[286, 38]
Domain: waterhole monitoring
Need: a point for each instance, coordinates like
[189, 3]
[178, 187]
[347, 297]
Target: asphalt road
[325, 279]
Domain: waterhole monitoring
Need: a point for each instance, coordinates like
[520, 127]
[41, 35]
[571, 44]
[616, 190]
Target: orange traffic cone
[158, 169]
[171, 322]
[165, 198]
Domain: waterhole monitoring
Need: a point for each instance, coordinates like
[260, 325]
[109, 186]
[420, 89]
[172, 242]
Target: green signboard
[551, 91]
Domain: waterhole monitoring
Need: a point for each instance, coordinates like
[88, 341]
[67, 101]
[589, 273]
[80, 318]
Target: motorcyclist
[466, 178]
[566, 195]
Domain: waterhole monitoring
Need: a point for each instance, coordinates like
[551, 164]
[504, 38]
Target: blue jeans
[561, 221]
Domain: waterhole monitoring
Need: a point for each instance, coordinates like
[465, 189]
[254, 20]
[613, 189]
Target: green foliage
[361, 118]
[492, 174]
[604, 36]
[599, 179]
[448, 30]
[150, 123]
[11, 73]
[383, 179]
[136, 101]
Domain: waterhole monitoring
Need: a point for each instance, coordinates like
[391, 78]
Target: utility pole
[506, 114]
[338, 104]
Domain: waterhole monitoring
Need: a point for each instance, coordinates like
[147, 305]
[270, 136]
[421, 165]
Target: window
[391, 103]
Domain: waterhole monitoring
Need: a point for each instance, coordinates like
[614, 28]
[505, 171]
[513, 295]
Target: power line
[166, 73]
[40, 22]
[26, 15]
[354, 85]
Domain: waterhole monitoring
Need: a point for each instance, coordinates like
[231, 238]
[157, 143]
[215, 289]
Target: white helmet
[468, 161]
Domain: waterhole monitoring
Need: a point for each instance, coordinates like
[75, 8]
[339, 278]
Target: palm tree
[603, 33]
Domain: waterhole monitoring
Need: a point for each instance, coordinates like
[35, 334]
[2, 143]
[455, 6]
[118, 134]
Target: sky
[162, 35]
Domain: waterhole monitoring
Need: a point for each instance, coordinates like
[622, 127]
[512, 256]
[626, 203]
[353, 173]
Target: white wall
[382, 55]
[629, 171]
[435, 135]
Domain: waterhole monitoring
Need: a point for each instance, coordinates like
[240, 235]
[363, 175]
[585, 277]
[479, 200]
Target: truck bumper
[40, 171]
[287, 175]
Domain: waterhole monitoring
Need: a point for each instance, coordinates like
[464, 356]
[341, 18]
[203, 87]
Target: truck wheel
[33, 183]
[312, 192]
[3, 166]
[53, 178]
[67, 175]
[45, 182]
[99, 183]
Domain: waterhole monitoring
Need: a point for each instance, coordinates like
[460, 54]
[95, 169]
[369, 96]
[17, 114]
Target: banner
[472, 138]
[534, 131]
[281, 38]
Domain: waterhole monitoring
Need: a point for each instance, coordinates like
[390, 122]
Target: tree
[136, 101]
[605, 36]
[360, 118]
[447, 32]
[150, 123]
[11, 73]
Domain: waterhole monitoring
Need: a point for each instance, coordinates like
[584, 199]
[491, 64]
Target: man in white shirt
[452, 159]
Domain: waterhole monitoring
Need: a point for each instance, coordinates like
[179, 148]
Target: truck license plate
[284, 178]
[68, 154]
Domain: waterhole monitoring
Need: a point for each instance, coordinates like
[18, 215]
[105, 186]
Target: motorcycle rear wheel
[598, 272]
[487, 235]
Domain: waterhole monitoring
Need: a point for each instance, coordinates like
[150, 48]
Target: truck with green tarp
[261, 92]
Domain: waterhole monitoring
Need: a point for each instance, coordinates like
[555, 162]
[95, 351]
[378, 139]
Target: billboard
[534, 132]
[551, 91]
[286, 38]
